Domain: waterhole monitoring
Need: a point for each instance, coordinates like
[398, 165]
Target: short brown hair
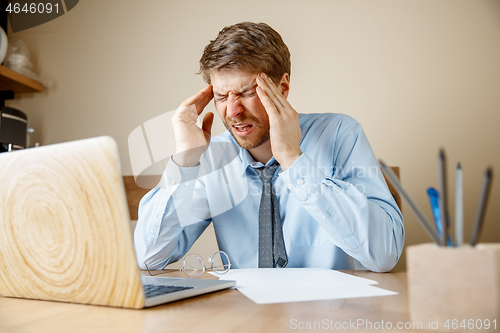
[248, 46]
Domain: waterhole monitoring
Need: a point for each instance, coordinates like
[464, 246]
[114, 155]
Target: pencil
[481, 206]
[393, 179]
[442, 196]
[459, 206]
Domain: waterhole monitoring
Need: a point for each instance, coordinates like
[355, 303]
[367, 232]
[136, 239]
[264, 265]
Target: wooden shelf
[18, 83]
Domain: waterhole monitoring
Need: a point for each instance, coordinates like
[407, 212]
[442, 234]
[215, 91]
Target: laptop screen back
[64, 226]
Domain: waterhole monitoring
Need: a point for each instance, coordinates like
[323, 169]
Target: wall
[418, 74]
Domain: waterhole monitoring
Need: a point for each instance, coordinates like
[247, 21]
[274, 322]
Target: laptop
[65, 234]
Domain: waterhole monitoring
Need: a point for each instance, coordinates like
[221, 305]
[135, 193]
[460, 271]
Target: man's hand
[190, 140]
[285, 132]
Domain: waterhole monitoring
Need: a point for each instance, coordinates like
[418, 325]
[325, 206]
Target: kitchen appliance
[13, 129]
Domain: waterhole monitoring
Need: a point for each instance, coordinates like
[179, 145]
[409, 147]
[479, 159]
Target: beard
[259, 136]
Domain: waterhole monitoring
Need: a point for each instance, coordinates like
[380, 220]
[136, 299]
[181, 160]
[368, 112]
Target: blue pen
[436, 212]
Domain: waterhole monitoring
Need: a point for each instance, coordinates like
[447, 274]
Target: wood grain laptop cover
[64, 233]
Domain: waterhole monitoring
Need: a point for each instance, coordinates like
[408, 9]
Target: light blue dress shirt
[335, 207]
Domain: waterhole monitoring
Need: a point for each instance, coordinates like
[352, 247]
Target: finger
[267, 86]
[200, 106]
[269, 105]
[199, 96]
[286, 108]
[208, 120]
[276, 91]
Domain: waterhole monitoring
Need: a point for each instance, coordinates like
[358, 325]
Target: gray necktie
[271, 245]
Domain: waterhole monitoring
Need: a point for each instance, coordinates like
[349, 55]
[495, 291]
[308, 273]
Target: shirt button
[290, 187]
[172, 182]
[186, 184]
[300, 181]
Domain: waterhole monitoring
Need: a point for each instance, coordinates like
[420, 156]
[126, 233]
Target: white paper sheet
[272, 285]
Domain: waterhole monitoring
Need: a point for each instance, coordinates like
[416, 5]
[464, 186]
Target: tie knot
[267, 173]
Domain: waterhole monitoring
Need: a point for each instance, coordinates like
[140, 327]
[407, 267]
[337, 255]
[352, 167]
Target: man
[298, 191]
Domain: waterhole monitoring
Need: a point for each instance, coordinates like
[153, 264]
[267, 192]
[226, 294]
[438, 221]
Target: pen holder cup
[454, 288]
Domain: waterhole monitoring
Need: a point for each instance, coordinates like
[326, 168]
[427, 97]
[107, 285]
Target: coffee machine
[13, 129]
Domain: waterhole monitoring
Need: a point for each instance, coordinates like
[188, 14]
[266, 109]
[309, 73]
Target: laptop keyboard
[155, 290]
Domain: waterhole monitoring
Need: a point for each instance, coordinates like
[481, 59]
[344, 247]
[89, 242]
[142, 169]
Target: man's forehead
[232, 81]
[244, 89]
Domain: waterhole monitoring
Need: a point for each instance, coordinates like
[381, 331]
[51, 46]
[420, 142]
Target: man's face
[240, 108]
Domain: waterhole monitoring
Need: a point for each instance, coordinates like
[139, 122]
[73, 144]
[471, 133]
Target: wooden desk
[224, 311]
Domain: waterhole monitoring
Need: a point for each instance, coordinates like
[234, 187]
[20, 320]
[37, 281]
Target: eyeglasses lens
[220, 263]
[193, 266]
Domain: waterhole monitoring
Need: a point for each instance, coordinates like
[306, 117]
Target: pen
[436, 212]
[459, 206]
[442, 197]
[481, 206]
[393, 179]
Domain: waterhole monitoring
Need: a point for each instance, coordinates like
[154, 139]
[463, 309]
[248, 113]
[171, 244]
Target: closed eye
[248, 95]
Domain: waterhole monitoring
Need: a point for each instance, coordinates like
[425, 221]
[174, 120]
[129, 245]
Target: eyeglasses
[193, 266]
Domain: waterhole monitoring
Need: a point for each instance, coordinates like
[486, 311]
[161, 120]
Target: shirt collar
[248, 161]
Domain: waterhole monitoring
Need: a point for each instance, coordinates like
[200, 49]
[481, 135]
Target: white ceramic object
[3, 44]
